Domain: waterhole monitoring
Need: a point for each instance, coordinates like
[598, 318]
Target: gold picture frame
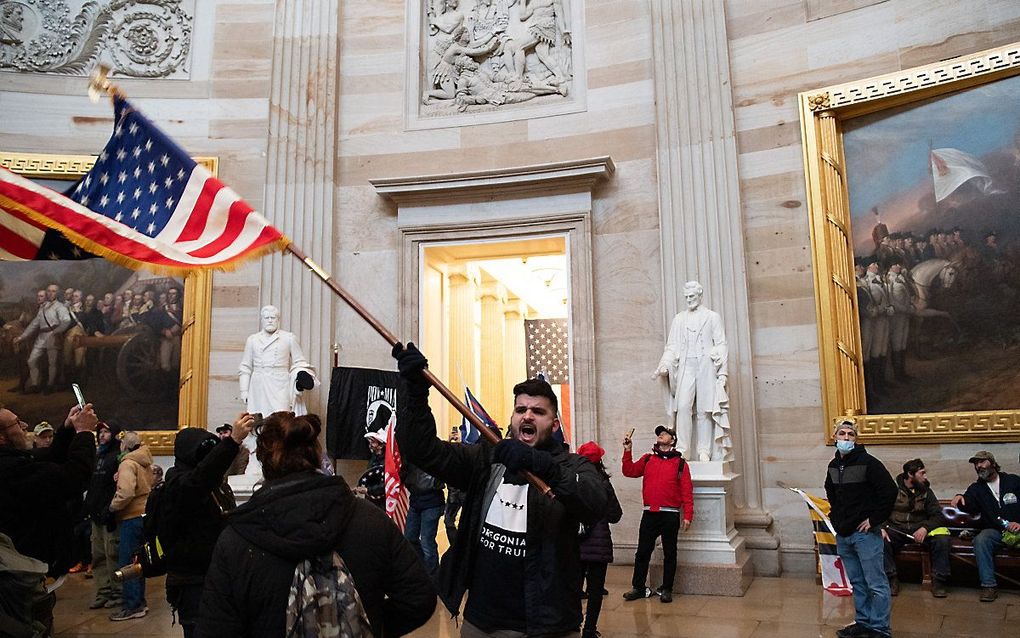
[825, 114]
[193, 398]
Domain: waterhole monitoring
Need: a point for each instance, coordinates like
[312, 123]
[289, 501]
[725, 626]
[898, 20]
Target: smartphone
[78, 395]
[630, 435]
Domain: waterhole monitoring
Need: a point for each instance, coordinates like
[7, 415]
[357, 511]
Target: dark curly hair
[287, 444]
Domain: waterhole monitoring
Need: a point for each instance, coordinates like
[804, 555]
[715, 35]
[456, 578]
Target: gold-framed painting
[913, 191]
[139, 342]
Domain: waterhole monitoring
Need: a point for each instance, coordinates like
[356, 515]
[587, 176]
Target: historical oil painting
[113, 331]
[934, 191]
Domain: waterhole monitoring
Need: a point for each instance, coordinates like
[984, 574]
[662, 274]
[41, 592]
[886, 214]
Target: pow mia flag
[361, 400]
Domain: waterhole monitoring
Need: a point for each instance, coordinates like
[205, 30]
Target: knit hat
[591, 451]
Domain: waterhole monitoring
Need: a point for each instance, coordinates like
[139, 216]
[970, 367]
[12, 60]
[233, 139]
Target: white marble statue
[273, 375]
[694, 365]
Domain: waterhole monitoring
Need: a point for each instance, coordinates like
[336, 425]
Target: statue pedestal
[243, 486]
[712, 557]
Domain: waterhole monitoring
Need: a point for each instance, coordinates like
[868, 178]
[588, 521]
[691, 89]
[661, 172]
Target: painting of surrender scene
[116, 332]
[935, 207]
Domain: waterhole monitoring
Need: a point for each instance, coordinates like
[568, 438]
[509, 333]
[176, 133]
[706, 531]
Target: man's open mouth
[527, 432]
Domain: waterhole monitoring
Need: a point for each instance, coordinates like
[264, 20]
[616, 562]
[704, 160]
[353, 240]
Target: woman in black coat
[597, 544]
[302, 515]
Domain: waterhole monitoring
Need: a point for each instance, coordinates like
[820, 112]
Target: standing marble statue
[694, 364]
[273, 374]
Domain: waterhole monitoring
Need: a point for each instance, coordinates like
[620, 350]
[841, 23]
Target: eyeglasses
[18, 422]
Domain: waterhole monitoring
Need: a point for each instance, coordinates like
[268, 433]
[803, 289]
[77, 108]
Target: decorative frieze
[138, 38]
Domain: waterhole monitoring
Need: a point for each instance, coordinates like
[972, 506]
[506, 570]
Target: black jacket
[980, 500]
[35, 496]
[299, 517]
[552, 593]
[858, 487]
[597, 540]
[102, 487]
[194, 503]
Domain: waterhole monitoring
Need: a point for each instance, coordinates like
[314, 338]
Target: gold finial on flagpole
[99, 83]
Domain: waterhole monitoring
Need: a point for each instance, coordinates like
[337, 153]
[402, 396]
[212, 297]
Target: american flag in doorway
[396, 493]
[145, 203]
[548, 343]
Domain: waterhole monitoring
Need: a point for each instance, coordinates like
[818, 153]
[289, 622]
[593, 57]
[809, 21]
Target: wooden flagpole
[100, 84]
[392, 340]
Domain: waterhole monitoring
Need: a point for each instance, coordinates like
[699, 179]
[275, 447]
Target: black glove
[304, 381]
[517, 456]
[410, 363]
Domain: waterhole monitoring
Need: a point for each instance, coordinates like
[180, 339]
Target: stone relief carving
[487, 54]
[138, 38]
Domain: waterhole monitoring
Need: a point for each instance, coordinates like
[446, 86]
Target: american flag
[468, 432]
[396, 493]
[145, 202]
[548, 344]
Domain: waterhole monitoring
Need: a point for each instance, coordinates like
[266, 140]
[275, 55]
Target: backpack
[151, 556]
[323, 601]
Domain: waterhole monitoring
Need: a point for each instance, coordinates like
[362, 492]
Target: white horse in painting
[925, 276]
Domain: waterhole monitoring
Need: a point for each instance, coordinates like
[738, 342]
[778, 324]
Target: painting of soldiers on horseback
[114, 331]
[934, 191]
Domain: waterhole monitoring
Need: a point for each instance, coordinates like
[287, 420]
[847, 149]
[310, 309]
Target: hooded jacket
[915, 508]
[34, 496]
[134, 482]
[667, 480]
[979, 500]
[299, 517]
[102, 486]
[194, 503]
[552, 578]
[858, 487]
[597, 539]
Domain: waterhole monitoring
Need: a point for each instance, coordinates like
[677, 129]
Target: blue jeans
[863, 555]
[420, 531]
[986, 543]
[130, 542]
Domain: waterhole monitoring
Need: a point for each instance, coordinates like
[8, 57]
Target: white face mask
[844, 447]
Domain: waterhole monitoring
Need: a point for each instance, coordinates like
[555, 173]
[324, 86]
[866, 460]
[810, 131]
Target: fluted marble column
[300, 176]
[699, 204]
[493, 357]
[463, 346]
[516, 363]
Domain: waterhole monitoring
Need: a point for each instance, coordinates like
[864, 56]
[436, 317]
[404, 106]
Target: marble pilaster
[700, 214]
[463, 351]
[514, 342]
[493, 386]
[300, 174]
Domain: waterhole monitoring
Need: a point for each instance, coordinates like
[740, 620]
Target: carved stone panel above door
[493, 60]
[138, 38]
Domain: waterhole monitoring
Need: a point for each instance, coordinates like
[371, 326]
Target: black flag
[361, 400]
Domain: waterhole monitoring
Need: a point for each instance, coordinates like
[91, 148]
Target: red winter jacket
[661, 487]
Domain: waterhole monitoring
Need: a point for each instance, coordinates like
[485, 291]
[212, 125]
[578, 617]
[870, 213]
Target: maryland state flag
[834, 578]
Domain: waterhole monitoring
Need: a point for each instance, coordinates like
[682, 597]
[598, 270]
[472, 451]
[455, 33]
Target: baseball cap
[226, 427]
[662, 428]
[846, 423]
[983, 455]
[42, 427]
[102, 425]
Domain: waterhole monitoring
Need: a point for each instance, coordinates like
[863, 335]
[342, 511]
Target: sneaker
[128, 614]
[98, 603]
[894, 585]
[635, 593]
[665, 596]
[938, 588]
[77, 568]
[856, 629]
[114, 602]
[989, 594]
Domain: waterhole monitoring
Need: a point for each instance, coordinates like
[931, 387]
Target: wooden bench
[961, 551]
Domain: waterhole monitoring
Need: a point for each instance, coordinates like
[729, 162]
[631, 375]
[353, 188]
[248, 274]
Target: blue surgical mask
[844, 447]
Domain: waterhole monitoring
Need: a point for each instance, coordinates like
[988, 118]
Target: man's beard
[985, 473]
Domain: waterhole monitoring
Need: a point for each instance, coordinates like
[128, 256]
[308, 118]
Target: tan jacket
[134, 482]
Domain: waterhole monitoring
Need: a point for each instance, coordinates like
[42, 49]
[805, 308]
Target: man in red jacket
[668, 493]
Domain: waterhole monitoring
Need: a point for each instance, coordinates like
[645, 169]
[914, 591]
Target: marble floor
[789, 607]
